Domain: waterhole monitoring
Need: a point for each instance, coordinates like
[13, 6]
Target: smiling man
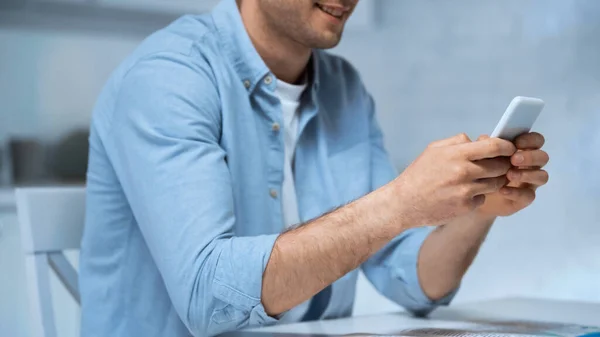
[237, 178]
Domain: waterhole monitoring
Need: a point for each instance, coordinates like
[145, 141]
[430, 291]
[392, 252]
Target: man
[237, 178]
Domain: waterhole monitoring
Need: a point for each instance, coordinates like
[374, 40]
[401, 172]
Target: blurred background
[435, 68]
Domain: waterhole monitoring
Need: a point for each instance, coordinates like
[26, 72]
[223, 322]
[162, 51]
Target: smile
[335, 11]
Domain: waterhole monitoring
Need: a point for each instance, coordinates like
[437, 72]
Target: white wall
[50, 79]
[435, 68]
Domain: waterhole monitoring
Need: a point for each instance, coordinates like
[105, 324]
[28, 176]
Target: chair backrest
[51, 221]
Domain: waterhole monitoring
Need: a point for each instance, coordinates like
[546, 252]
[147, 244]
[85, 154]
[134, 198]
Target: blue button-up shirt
[185, 174]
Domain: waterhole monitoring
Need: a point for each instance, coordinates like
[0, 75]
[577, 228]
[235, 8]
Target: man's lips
[334, 10]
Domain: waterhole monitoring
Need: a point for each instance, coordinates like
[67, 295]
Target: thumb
[482, 137]
[461, 138]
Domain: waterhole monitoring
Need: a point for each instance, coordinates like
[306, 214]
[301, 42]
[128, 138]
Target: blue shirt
[184, 183]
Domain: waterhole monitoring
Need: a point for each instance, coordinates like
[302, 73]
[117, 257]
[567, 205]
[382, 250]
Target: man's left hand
[525, 177]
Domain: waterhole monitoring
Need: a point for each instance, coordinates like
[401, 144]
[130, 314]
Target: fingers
[488, 148]
[489, 185]
[530, 158]
[490, 168]
[521, 196]
[530, 141]
[536, 178]
[461, 138]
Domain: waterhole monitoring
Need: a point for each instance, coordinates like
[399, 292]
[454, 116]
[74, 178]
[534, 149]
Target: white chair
[51, 221]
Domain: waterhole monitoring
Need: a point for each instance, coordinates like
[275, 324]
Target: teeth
[337, 12]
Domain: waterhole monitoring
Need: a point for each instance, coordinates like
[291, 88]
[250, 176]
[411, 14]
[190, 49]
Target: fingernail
[505, 191]
[519, 159]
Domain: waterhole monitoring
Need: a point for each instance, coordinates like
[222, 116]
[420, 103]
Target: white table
[505, 310]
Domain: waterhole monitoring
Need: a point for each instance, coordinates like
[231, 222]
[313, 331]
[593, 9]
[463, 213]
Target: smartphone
[518, 118]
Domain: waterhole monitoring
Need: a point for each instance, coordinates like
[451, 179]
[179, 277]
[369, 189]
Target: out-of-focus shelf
[103, 16]
[173, 7]
[133, 7]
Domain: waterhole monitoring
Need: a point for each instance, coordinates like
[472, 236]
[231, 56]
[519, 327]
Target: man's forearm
[307, 259]
[448, 252]
[443, 183]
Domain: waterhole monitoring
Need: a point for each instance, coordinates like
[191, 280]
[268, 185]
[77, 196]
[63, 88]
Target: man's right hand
[451, 177]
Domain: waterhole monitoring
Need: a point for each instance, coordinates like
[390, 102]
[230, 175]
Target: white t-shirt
[289, 95]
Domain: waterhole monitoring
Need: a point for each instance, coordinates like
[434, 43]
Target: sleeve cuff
[259, 317]
[405, 268]
[239, 274]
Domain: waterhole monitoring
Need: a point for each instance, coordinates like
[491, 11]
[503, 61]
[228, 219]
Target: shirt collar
[237, 46]
[240, 51]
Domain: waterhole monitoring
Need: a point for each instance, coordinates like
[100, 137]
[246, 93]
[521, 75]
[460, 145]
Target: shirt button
[268, 79]
[275, 127]
[247, 84]
[273, 193]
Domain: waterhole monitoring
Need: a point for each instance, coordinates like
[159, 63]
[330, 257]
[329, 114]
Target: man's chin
[328, 41]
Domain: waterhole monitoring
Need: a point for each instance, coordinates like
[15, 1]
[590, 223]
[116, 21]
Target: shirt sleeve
[163, 143]
[393, 270]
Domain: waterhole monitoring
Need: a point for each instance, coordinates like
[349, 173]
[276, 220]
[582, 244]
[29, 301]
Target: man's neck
[286, 58]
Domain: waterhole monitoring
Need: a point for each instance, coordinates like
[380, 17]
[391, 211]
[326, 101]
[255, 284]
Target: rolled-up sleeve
[393, 270]
[164, 146]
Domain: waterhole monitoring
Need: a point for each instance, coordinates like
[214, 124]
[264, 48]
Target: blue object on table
[593, 334]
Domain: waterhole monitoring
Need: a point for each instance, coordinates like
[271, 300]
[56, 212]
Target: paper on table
[498, 329]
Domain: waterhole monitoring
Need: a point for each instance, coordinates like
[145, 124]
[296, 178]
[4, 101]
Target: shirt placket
[275, 157]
